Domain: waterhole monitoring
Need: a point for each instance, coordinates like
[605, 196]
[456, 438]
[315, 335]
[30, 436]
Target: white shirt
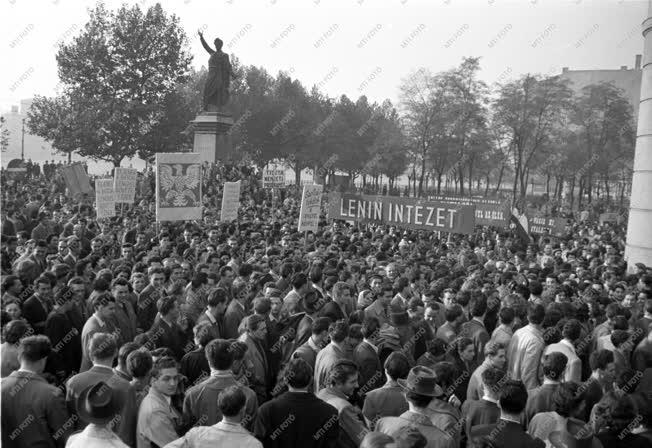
[94, 436]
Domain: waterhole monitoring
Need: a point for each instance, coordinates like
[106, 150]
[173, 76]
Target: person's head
[217, 302]
[602, 365]
[397, 366]
[256, 327]
[512, 398]
[139, 364]
[33, 352]
[43, 287]
[572, 330]
[14, 331]
[371, 329]
[478, 306]
[319, 330]
[616, 412]
[553, 366]
[102, 348]
[454, 315]
[344, 376]
[165, 376]
[535, 314]
[124, 352]
[465, 349]
[103, 305]
[341, 292]
[40, 249]
[298, 374]
[495, 353]
[338, 331]
[231, 403]
[13, 310]
[506, 316]
[386, 295]
[276, 305]
[492, 377]
[12, 285]
[219, 354]
[157, 278]
[120, 289]
[168, 308]
[568, 400]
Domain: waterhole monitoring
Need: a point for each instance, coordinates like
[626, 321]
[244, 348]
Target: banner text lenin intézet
[404, 212]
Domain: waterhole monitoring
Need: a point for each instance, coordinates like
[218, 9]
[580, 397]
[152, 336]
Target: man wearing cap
[33, 412]
[99, 405]
[420, 389]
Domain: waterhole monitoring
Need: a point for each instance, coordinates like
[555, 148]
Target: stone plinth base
[212, 137]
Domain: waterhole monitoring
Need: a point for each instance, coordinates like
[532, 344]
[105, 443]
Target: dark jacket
[297, 419]
[387, 401]
[66, 344]
[194, 365]
[479, 412]
[33, 412]
[540, 400]
[163, 334]
[35, 313]
[371, 371]
[506, 434]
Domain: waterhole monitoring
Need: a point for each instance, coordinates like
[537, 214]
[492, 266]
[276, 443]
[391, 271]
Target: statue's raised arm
[204, 44]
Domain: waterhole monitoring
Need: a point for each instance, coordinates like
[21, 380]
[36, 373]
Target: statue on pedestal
[216, 89]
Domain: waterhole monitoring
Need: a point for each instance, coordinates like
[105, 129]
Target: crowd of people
[132, 332]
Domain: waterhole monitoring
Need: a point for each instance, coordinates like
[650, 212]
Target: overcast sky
[350, 47]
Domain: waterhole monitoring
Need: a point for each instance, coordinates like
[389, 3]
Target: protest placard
[310, 208]
[178, 186]
[124, 184]
[104, 198]
[230, 201]
[76, 179]
[273, 178]
[411, 213]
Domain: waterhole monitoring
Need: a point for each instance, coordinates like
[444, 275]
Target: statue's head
[218, 44]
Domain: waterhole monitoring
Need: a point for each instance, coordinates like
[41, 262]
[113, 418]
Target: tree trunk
[486, 188]
[297, 175]
[548, 184]
[500, 178]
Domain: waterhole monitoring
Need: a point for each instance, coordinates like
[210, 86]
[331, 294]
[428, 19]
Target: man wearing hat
[99, 405]
[420, 389]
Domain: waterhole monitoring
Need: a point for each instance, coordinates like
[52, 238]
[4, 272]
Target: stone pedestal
[212, 135]
[639, 230]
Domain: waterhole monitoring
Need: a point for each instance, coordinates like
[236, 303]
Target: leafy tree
[119, 78]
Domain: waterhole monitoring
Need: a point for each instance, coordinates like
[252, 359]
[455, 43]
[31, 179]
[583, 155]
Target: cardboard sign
[230, 201]
[104, 198]
[608, 217]
[76, 179]
[273, 178]
[178, 186]
[404, 212]
[553, 226]
[124, 184]
[310, 208]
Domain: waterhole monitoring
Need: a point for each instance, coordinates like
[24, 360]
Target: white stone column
[639, 229]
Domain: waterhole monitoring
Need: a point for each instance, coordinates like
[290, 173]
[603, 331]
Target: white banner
[230, 201]
[178, 186]
[124, 184]
[310, 208]
[104, 198]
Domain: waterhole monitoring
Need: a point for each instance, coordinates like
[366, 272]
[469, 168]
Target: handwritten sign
[124, 184]
[404, 212]
[230, 201]
[104, 198]
[273, 178]
[488, 212]
[310, 208]
[540, 225]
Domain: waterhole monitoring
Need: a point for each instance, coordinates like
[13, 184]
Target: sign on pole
[178, 186]
[273, 178]
[124, 184]
[230, 201]
[405, 212]
[310, 208]
[104, 198]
